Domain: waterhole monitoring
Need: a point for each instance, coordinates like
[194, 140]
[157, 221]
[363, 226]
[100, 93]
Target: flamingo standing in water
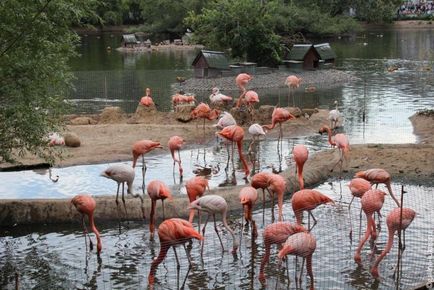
[86, 205]
[241, 81]
[172, 232]
[256, 131]
[195, 187]
[140, 148]
[307, 200]
[339, 140]
[175, 143]
[260, 180]
[248, 196]
[213, 204]
[147, 99]
[334, 116]
[398, 219]
[277, 185]
[235, 134]
[301, 244]
[279, 116]
[376, 176]
[122, 173]
[157, 190]
[226, 119]
[204, 112]
[277, 234]
[292, 82]
[372, 201]
[358, 187]
[218, 98]
[300, 154]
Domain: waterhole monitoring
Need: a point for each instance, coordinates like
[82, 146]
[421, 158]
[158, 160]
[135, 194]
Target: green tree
[245, 26]
[36, 43]
[376, 11]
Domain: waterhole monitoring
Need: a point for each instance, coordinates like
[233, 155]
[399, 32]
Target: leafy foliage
[35, 45]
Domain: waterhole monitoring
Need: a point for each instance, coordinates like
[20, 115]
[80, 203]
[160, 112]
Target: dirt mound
[112, 115]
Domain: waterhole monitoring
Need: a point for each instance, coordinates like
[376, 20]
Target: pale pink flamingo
[172, 232]
[372, 201]
[241, 81]
[301, 244]
[218, 98]
[292, 82]
[214, 204]
[123, 173]
[85, 204]
[376, 176]
[235, 134]
[196, 187]
[157, 190]
[175, 144]
[300, 154]
[248, 196]
[341, 142]
[140, 148]
[147, 99]
[308, 200]
[256, 131]
[276, 234]
[226, 119]
[398, 219]
[334, 116]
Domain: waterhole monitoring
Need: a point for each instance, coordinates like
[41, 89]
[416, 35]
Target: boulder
[72, 140]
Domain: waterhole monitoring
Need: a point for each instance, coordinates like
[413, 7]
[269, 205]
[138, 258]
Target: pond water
[50, 257]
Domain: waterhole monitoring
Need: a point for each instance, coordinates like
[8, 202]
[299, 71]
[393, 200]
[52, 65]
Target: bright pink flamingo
[204, 112]
[358, 187]
[276, 234]
[279, 116]
[235, 134]
[250, 99]
[213, 204]
[147, 99]
[195, 187]
[260, 180]
[157, 190]
[218, 98]
[248, 196]
[307, 200]
[122, 173]
[172, 232]
[140, 148]
[175, 143]
[300, 154]
[372, 201]
[242, 80]
[340, 141]
[376, 176]
[277, 185]
[86, 205]
[301, 244]
[394, 223]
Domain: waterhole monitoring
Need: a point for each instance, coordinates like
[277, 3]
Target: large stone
[72, 140]
[112, 115]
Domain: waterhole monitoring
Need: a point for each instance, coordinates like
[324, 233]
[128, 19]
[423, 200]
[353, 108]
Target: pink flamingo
[86, 205]
[217, 98]
[277, 185]
[256, 131]
[172, 232]
[213, 204]
[147, 99]
[140, 148]
[204, 112]
[235, 133]
[376, 176]
[307, 200]
[358, 187]
[242, 80]
[226, 119]
[248, 196]
[301, 244]
[394, 223]
[300, 154]
[122, 173]
[279, 116]
[195, 187]
[339, 140]
[334, 116]
[260, 180]
[277, 234]
[157, 190]
[292, 82]
[372, 201]
[175, 144]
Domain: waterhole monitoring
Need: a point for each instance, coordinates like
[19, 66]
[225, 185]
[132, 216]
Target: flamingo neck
[96, 232]
[163, 252]
[225, 223]
[389, 188]
[329, 132]
[300, 175]
[386, 250]
[264, 260]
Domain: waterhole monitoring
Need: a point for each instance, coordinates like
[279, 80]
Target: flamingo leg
[86, 234]
[178, 266]
[162, 204]
[123, 201]
[143, 174]
[314, 221]
[349, 217]
[242, 228]
[301, 270]
[152, 219]
[203, 234]
[216, 230]
[263, 206]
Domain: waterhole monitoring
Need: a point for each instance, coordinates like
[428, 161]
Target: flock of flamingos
[291, 238]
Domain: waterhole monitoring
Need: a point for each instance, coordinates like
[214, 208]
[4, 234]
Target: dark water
[50, 257]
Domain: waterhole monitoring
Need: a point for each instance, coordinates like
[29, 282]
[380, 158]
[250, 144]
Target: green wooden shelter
[209, 64]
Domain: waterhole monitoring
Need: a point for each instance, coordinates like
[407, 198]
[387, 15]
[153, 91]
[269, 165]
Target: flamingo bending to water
[300, 154]
[248, 196]
[195, 187]
[175, 144]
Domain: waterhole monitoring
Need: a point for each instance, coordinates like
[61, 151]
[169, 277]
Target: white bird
[213, 204]
[226, 119]
[256, 131]
[217, 97]
[334, 116]
[122, 173]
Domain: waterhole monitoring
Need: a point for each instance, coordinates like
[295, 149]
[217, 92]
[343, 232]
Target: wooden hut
[326, 53]
[130, 41]
[303, 56]
[210, 64]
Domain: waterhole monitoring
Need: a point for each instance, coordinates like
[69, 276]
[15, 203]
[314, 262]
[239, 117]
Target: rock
[72, 140]
[112, 115]
[83, 121]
